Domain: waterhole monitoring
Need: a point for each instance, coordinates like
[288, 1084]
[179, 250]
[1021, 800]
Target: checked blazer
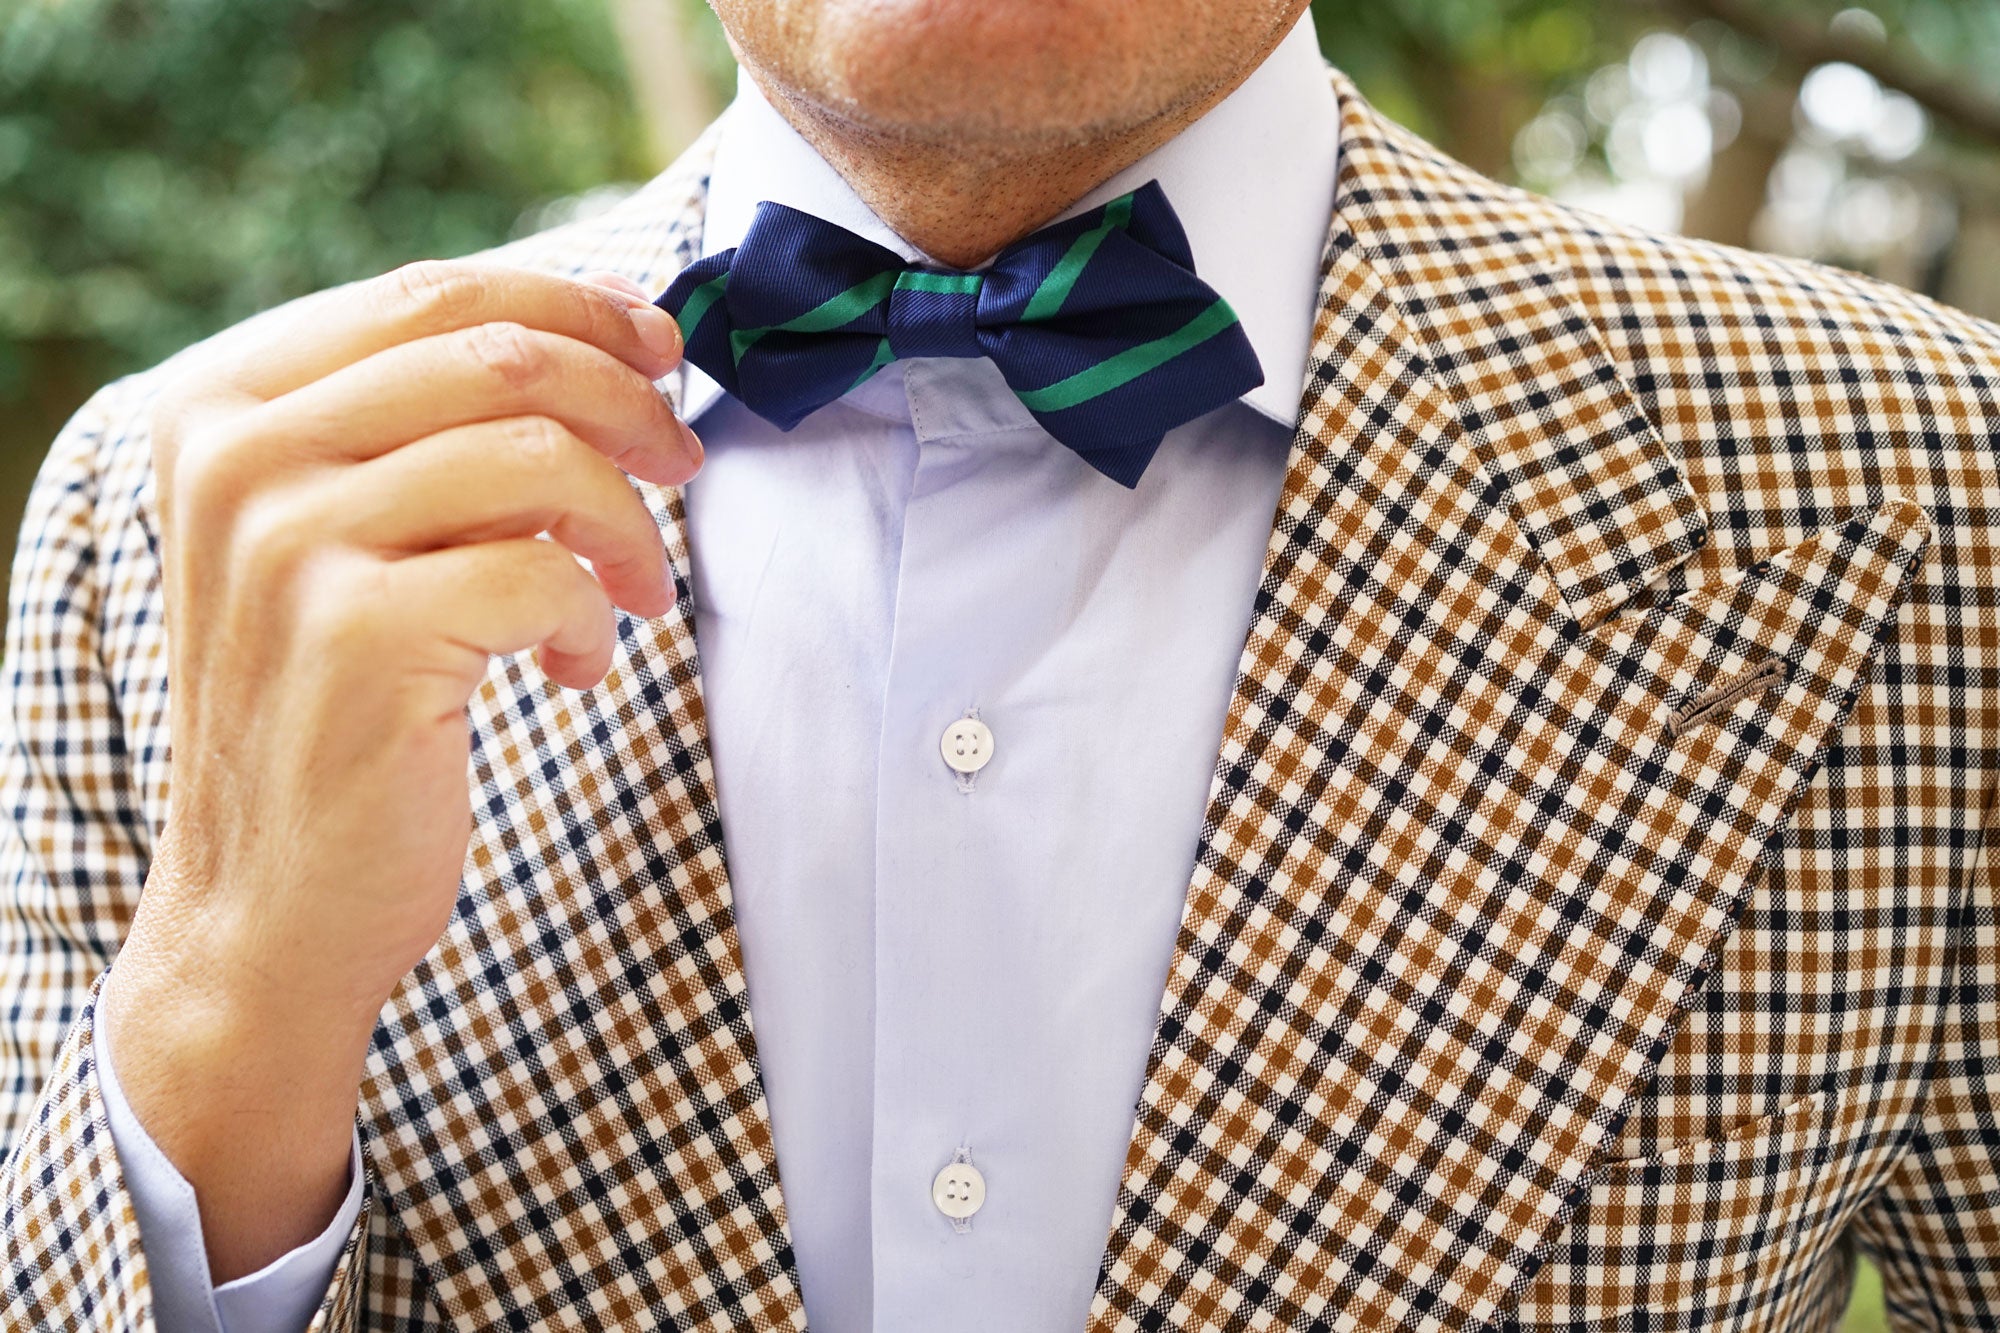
[1592, 926]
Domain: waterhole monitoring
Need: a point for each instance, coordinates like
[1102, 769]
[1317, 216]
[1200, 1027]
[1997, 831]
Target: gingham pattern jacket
[1591, 927]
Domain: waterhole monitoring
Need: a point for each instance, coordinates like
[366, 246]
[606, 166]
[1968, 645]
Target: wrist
[255, 1113]
[241, 969]
[205, 1051]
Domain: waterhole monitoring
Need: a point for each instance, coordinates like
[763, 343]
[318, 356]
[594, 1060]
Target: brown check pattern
[1499, 1002]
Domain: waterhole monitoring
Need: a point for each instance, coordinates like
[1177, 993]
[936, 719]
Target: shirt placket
[941, 1138]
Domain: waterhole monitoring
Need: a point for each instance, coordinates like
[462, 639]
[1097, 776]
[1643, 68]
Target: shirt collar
[1252, 182]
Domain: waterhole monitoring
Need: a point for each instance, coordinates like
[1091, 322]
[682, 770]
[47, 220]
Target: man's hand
[348, 519]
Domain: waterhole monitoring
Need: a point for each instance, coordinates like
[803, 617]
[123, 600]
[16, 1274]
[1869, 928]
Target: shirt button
[959, 1190]
[967, 745]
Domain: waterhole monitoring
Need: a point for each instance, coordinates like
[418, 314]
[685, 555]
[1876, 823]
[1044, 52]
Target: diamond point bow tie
[1098, 323]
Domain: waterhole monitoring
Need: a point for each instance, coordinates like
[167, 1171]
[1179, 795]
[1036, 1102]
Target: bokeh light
[1638, 139]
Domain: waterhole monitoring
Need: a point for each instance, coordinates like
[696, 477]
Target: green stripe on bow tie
[1129, 364]
[884, 354]
[828, 315]
[699, 302]
[1055, 289]
[951, 284]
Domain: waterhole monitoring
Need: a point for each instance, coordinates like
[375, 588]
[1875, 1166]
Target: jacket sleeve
[74, 847]
[1934, 1230]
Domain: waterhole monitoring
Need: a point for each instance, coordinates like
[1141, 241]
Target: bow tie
[1098, 324]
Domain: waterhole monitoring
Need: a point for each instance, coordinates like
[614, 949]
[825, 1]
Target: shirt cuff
[281, 1297]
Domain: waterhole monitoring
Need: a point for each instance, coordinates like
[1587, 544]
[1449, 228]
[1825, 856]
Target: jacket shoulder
[1791, 307]
[1627, 276]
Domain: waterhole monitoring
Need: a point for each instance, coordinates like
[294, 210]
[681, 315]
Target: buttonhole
[1724, 695]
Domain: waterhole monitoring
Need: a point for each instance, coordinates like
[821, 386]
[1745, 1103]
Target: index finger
[334, 329]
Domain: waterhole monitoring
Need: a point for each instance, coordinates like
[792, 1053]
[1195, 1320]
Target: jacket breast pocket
[1701, 1235]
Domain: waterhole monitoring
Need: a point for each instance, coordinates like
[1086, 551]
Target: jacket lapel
[564, 1106]
[1462, 871]
[1587, 479]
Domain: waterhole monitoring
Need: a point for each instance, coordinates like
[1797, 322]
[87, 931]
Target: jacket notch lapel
[1589, 481]
[564, 1106]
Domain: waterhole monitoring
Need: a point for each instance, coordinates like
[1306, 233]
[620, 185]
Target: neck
[961, 201]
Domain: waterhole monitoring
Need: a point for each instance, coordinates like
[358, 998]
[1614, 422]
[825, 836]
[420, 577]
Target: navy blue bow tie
[1098, 324]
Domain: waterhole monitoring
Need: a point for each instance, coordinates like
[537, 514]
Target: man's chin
[1000, 71]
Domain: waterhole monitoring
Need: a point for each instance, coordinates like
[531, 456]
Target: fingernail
[695, 451]
[659, 332]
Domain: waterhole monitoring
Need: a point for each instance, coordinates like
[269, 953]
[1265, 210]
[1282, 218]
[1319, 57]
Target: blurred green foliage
[1866, 1312]
[1409, 57]
[170, 166]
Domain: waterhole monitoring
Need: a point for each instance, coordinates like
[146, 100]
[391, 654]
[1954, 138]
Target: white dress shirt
[941, 963]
